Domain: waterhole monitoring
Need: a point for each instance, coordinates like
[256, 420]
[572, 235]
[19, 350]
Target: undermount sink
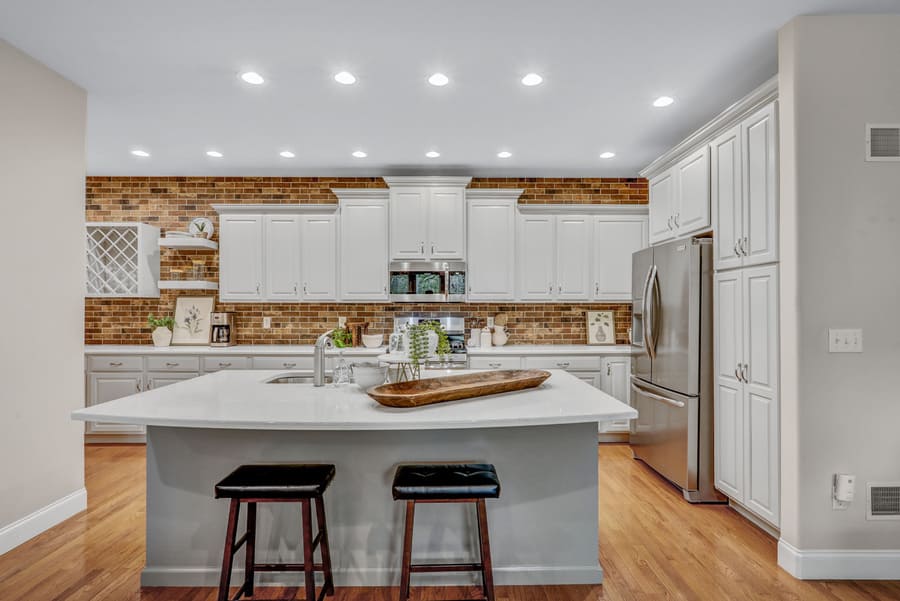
[296, 378]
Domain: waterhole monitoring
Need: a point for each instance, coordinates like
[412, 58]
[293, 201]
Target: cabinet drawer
[283, 362]
[211, 364]
[111, 363]
[495, 362]
[563, 362]
[173, 363]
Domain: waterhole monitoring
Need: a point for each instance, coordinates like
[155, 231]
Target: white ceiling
[162, 75]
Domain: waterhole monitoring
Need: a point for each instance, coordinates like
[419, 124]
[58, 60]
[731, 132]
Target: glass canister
[198, 269]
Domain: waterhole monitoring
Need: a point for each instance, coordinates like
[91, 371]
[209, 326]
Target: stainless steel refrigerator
[672, 364]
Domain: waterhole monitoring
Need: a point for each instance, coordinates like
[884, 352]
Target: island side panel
[543, 527]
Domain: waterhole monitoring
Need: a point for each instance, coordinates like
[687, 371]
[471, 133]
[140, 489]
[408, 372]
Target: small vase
[162, 336]
[500, 337]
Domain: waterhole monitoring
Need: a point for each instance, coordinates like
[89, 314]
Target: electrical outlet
[267, 323]
[845, 341]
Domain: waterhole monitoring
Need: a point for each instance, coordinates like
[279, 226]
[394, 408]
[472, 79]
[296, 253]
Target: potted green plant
[424, 340]
[201, 232]
[342, 338]
[162, 329]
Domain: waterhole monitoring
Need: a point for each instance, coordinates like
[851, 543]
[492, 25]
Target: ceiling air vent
[883, 501]
[882, 142]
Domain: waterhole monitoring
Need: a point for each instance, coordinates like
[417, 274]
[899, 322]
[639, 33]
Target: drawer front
[283, 362]
[563, 362]
[495, 362]
[211, 364]
[111, 363]
[173, 363]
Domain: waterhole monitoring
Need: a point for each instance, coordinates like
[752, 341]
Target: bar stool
[280, 483]
[447, 483]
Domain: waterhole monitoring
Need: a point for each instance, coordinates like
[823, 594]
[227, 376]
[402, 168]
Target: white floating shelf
[187, 285]
[188, 243]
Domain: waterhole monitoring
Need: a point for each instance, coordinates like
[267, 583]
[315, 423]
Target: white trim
[512, 575]
[762, 95]
[427, 180]
[839, 564]
[26, 528]
[275, 209]
[493, 193]
[584, 209]
[361, 193]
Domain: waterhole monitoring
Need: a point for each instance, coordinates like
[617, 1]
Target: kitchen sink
[296, 378]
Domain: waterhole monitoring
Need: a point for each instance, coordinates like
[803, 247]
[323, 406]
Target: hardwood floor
[653, 546]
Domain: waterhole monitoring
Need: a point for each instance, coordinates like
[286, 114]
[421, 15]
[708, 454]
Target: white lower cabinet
[103, 387]
[160, 379]
[614, 381]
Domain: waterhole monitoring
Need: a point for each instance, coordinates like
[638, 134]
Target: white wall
[840, 241]
[42, 167]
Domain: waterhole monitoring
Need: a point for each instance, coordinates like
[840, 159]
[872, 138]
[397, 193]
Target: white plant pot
[432, 343]
[162, 336]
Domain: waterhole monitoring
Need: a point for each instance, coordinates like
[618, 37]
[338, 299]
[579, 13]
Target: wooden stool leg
[487, 573]
[325, 549]
[230, 534]
[250, 557]
[309, 575]
[407, 550]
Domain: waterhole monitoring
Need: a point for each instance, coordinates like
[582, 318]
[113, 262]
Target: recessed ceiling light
[663, 101]
[345, 77]
[504, 154]
[532, 79]
[438, 79]
[432, 154]
[253, 77]
[607, 155]
[214, 154]
[140, 153]
[359, 154]
[287, 154]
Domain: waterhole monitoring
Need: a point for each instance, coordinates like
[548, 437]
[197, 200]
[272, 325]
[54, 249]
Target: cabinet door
[761, 451]
[759, 133]
[662, 198]
[615, 381]
[692, 212]
[282, 258]
[409, 222]
[447, 223]
[364, 250]
[492, 250]
[726, 192]
[616, 238]
[319, 251]
[535, 240]
[573, 257]
[104, 387]
[240, 258]
[159, 380]
[728, 404]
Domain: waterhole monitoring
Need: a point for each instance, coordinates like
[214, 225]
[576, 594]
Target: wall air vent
[883, 501]
[882, 142]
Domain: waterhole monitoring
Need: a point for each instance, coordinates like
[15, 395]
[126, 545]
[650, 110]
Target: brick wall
[171, 203]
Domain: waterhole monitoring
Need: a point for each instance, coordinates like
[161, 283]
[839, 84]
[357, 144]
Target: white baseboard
[522, 575]
[839, 564]
[13, 535]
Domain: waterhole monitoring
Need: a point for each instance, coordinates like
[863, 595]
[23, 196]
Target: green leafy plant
[160, 322]
[418, 343]
[201, 226]
[341, 337]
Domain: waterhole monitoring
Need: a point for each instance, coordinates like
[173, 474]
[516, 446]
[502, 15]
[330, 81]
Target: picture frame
[601, 327]
[192, 320]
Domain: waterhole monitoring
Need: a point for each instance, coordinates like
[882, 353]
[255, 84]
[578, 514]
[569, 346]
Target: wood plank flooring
[653, 546]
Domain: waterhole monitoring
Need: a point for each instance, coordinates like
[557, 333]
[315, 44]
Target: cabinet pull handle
[551, 288]
[172, 364]
[494, 365]
[563, 364]
[737, 247]
[289, 364]
[115, 364]
[295, 289]
[745, 243]
[596, 288]
[138, 386]
[744, 371]
[608, 369]
[221, 364]
[304, 288]
[421, 248]
[149, 384]
[384, 289]
[257, 289]
[432, 249]
[676, 217]
[669, 222]
[737, 373]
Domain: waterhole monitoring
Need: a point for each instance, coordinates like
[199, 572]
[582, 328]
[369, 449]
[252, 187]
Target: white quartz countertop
[240, 349]
[241, 399]
[551, 349]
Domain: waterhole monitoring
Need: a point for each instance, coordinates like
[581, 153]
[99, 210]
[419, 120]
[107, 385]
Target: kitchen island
[542, 441]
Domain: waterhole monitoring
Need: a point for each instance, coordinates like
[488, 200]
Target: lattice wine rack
[122, 259]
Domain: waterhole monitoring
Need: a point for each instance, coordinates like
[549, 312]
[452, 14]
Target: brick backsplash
[171, 203]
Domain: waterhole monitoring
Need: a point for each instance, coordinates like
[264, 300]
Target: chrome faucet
[322, 342]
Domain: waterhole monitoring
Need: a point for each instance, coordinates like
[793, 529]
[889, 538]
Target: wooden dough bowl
[453, 388]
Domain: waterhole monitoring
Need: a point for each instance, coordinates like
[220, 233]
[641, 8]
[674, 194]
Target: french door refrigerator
[672, 364]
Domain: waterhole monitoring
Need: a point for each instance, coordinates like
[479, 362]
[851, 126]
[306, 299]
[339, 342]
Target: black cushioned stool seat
[447, 483]
[277, 483]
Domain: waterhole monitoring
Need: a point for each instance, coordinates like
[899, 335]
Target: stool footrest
[445, 567]
[285, 567]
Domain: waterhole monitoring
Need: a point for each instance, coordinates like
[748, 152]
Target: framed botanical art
[601, 327]
[192, 319]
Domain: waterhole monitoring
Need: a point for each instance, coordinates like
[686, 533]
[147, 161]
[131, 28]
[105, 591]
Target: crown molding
[493, 193]
[361, 193]
[426, 180]
[584, 209]
[274, 209]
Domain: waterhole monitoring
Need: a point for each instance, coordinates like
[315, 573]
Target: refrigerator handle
[657, 397]
[649, 314]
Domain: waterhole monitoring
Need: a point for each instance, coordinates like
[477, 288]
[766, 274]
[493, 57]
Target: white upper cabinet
[364, 249]
[692, 213]
[282, 235]
[727, 197]
[318, 253]
[536, 244]
[409, 222]
[616, 238]
[662, 207]
[428, 218]
[447, 223]
[573, 257]
[240, 257]
[492, 249]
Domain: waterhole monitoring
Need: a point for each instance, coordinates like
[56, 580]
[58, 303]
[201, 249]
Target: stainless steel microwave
[428, 281]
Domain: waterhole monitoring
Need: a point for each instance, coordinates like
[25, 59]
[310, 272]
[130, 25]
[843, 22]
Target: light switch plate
[845, 341]
[267, 323]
